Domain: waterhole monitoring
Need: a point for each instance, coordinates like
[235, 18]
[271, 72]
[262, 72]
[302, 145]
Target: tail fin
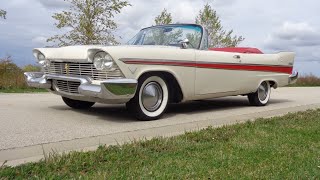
[287, 58]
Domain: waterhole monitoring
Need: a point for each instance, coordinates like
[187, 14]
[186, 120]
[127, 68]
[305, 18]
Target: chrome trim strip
[184, 24]
[81, 79]
[128, 60]
[71, 60]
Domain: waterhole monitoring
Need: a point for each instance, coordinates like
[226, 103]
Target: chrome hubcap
[152, 96]
[263, 91]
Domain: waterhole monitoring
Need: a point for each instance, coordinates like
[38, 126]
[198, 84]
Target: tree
[163, 18]
[89, 21]
[3, 14]
[218, 37]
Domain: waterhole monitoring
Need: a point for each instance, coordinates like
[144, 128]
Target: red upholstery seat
[238, 50]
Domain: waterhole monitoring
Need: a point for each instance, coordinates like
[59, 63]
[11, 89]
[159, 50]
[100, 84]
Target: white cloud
[40, 40]
[223, 2]
[142, 13]
[54, 4]
[294, 35]
[301, 37]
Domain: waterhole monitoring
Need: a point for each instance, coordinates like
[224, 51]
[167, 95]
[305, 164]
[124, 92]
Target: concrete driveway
[34, 125]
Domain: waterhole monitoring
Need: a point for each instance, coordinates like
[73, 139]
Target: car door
[217, 72]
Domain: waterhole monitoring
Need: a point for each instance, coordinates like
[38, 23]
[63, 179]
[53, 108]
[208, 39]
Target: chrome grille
[82, 69]
[67, 86]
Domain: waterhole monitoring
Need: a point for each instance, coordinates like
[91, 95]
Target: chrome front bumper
[293, 77]
[108, 91]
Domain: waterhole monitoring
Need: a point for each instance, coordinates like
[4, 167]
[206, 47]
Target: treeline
[307, 81]
[11, 75]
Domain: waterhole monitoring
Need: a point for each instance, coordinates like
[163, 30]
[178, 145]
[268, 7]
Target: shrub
[11, 76]
[308, 80]
[31, 68]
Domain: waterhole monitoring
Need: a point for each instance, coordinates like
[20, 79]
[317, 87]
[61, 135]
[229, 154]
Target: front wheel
[261, 96]
[75, 104]
[151, 98]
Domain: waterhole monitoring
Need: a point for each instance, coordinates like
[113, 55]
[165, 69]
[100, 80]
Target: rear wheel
[261, 96]
[151, 98]
[76, 104]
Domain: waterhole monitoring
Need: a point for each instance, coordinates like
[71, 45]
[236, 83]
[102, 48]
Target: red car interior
[238, 50]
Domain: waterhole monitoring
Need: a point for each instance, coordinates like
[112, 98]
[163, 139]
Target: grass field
[285, 147]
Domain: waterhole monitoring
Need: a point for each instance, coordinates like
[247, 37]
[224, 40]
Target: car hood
[77, 53]
[65, 53]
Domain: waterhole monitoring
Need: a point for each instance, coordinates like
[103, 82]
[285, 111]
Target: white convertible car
[160, 65]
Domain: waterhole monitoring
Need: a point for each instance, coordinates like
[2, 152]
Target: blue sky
[272, 26]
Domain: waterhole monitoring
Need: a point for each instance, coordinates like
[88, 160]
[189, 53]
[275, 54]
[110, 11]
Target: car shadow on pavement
[115, 113]
[119, 113]
[218, 104]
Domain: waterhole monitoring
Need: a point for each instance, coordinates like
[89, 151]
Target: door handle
[237, 56]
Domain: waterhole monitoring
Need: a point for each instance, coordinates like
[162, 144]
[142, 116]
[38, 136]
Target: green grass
[23, 90]
[285, 147]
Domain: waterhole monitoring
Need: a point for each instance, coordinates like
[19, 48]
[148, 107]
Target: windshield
[170, 35]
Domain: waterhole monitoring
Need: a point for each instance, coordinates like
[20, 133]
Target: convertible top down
[160, 65]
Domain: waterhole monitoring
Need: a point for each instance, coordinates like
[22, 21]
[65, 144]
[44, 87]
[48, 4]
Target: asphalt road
[34, 125]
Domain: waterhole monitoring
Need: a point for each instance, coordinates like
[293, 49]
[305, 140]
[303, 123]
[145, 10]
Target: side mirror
[184, 43]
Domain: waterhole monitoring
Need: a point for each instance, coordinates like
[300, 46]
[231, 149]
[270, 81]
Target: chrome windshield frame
[202, 38]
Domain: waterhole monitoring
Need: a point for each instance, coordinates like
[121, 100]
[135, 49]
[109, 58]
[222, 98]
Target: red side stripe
[279, 69]
[188, 64]
[248, 67]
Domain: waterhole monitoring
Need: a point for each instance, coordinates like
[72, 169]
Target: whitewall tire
[151, 98]
[262, 96]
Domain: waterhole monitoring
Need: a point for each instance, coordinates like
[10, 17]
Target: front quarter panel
[147, 54]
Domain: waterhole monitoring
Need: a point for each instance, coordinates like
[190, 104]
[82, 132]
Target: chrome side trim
[193, 63]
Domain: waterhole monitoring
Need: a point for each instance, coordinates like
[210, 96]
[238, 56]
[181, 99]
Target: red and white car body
[147, 74]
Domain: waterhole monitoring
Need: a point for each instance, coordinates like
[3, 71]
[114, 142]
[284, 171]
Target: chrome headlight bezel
[40, 57]
[103, 61]
[45, 63]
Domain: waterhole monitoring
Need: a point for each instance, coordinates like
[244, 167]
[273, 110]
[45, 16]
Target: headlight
[43, 61]
[102, 61]
[41, 57]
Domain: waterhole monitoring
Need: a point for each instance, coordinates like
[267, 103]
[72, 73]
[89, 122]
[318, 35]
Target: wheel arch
[273, 83]
[177, 94]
